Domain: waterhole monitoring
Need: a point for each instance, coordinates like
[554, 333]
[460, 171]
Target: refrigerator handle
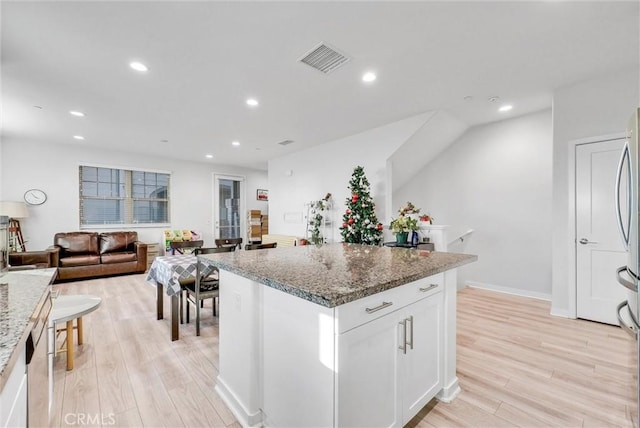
[629, 329]
[623, 232]
[628, 284]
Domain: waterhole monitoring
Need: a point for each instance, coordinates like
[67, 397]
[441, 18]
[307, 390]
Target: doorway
[228, 206]
[598, 247]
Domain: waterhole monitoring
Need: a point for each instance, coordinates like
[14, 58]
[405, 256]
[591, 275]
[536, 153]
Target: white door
[599, 248]
[228, 206]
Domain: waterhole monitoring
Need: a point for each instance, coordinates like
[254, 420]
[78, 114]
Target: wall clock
[35, 197]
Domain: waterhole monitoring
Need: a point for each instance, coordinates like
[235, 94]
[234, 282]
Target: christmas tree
[359, 222]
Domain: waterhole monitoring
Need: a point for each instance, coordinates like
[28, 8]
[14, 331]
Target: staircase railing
[462, 237]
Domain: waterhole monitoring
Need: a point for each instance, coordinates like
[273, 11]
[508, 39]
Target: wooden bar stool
[69, 308]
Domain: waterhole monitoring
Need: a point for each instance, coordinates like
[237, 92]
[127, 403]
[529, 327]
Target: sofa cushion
[121, 257]
[81, 260]
[77, 243]
[117, 241]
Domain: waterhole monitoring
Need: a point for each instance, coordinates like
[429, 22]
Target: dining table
[167, 273]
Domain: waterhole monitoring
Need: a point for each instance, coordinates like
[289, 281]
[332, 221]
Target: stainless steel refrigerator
[627, 196]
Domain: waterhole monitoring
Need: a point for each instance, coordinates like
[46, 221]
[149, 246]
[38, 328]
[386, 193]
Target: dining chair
[204, 286]
[180, 246]
[229, 242]
[260, 246]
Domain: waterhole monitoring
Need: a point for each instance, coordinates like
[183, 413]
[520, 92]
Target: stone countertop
[21, 294]
[334, 274]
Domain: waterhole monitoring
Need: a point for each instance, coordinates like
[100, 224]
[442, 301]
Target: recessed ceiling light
[235, 143]
[493, 99]
[138, 66]
[76, 113]
[252, 102]
[164, 141]
[468, 98]
[505, 107]
[368, 77]
[209, 156]
[78, 137]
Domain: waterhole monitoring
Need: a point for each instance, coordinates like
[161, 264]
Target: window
[118, 196]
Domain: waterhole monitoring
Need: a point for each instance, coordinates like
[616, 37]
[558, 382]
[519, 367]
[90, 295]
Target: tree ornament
[351, 221]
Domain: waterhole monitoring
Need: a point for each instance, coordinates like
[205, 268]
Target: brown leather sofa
[34, 259]
[91, 254]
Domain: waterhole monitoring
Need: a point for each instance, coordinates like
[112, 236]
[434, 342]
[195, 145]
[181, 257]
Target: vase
[401, 238]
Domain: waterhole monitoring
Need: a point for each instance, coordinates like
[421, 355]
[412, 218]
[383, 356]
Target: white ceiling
[206, 58]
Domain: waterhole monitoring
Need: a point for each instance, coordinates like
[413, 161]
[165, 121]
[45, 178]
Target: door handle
[403, 347]
[585, 241]
[410, 342]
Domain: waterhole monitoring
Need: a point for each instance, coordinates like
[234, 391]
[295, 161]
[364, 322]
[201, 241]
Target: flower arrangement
[403, 224]
[409, 208]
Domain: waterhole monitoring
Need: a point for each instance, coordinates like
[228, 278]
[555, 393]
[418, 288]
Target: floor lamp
[15, 210]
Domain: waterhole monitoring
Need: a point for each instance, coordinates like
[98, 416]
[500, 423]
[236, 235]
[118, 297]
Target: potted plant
[426, 218]
[401, 227]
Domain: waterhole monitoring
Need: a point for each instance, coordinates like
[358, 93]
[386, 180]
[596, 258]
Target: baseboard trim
[448, 393]
[245, 418]
[509, 290]
[556, 312]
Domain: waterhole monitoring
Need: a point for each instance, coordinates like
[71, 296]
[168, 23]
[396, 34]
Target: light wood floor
[517, 366]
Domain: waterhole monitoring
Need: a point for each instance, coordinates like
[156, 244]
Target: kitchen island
[336, 335]
[25, 302]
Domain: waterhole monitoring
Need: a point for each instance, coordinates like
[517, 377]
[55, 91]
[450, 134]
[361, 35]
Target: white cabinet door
[13, 396]
[378, 382]
[367, 393]
[421, 366]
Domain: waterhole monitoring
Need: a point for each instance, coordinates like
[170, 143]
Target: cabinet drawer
[361, 311]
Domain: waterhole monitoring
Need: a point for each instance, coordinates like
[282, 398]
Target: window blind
[117, 196]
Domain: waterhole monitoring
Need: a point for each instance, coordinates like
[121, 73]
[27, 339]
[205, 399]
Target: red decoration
[355, 197]
[348, 211]
[344, 224]
[351, 221]
[379, 226]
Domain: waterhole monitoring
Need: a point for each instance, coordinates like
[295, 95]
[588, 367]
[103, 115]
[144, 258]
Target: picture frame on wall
[262, 195]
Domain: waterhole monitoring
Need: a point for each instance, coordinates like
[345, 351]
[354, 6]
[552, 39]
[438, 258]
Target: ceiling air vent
[285, 142]
[324, 58]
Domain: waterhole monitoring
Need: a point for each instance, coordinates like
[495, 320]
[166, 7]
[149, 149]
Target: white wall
[438, 133]
[327, 168]
[600, 106]
[495, 179]
[54, 169]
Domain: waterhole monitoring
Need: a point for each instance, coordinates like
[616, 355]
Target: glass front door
[228, 206]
